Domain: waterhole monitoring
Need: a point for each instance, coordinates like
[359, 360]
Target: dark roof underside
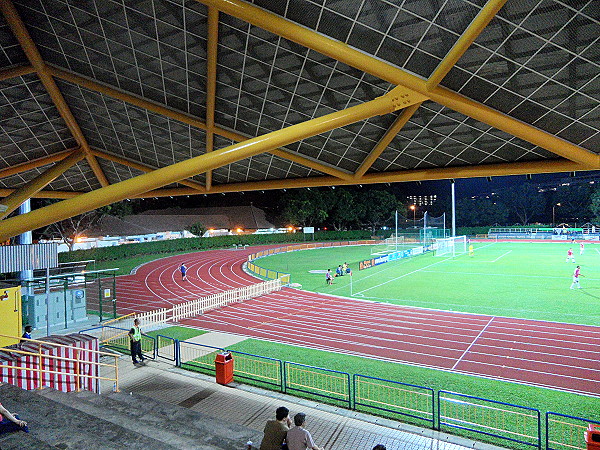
[537, 61]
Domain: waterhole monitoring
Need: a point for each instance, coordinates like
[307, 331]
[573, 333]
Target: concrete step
[61, 426]
[173, 425]
[20, 440]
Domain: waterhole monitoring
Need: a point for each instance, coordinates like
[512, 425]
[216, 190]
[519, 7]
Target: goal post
[451, 246]
[392, 244]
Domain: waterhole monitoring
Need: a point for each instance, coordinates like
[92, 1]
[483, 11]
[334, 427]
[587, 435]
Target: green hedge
[197, 244]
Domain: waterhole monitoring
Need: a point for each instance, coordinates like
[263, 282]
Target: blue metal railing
[161, 349]
[334, 385]
[564, 432]
[466, 419]
[271, 375]
[420, 404]
[148, 342]
[197, 356]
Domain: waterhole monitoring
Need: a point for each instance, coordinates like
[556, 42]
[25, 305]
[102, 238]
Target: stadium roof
[95, 93]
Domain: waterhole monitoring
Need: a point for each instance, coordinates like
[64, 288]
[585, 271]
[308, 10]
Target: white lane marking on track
[472, 343]
[477, 374]
[306, 336]
[292, 291]
[367, 330]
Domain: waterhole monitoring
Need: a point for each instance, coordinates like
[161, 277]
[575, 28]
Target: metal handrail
[41, 371]
[118, 318]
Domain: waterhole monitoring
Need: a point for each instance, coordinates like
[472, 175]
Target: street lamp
[554, 206]
[414, 210]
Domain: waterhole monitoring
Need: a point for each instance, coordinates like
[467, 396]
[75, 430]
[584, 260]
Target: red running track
[548, 354]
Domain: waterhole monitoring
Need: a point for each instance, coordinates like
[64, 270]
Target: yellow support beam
[15, 71]
[176, 115]
[487, 13]
[295, 157]
[124, 96]
[390, 134]
[142, 168]
[13, 226]
[489, 170]
[34, 163]
[33, 55]
[14, 200]
[211, 83]
[381, 69]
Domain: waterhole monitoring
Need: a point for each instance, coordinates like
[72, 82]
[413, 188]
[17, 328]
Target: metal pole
[444, 215]
[396, 231]
[23, 239]
[453, 209]
[47, 301]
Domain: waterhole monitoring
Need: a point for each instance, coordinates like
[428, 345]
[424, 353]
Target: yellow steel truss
[33, 55]
[388, 72]
[392, 101]
[14, 200]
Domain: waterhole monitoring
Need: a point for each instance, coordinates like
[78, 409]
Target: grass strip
[518, 394]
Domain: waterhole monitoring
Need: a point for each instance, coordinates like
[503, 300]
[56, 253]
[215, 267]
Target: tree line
[524, 204]
[345, 208]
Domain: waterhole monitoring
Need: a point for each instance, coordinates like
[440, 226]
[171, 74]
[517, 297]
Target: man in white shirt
[298, 438]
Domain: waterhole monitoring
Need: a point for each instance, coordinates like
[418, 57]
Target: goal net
[451, 246]
[392, 244]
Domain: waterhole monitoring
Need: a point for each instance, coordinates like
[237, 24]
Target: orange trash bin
[592, 437]
[224, 368]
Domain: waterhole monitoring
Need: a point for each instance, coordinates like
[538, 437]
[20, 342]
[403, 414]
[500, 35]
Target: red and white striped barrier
[51, 365]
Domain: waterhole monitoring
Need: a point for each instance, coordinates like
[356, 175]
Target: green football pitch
[525, 280]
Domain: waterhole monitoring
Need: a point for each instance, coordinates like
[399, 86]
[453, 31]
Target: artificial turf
[524, 280]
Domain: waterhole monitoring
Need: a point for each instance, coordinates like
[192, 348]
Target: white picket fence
[150, 320]
[196, 307]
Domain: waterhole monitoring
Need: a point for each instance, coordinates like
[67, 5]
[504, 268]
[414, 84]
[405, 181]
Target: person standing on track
[576, 275]
[570, 256]
[183, 270]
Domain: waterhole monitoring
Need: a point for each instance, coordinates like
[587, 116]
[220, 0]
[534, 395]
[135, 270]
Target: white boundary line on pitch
[499, 257]
[472, 343]
[409, 273]
[500, 274]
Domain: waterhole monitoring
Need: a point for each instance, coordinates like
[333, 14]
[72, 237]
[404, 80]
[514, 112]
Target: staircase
[86, 420]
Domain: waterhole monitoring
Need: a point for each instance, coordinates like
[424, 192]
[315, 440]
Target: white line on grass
[394, 265]
[501, 256]
[500, 274]
[472, 343]
[402, 276]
